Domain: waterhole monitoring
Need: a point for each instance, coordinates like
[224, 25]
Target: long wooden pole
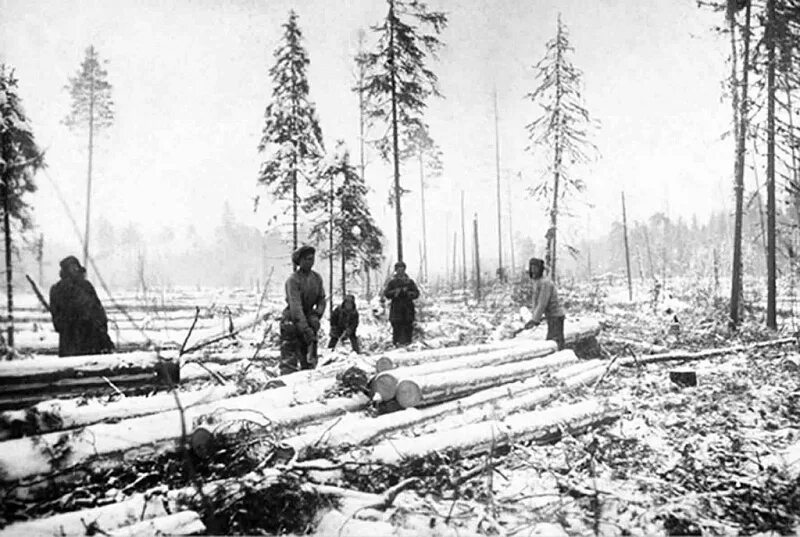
[627, 250]
[395, 135]
[463, 245]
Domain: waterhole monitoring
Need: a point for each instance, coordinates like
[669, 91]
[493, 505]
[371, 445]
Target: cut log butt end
[384, 363]
[384, 385]
[408, 393]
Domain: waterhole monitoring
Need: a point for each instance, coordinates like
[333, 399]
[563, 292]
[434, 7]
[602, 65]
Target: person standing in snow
[546, 303]
[78, 315]
[402, 291]
[344, 323]
[305, 304]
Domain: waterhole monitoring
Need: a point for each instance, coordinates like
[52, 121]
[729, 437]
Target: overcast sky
[191, 83]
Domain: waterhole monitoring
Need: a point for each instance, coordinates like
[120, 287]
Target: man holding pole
[305, 299]
[402, 291]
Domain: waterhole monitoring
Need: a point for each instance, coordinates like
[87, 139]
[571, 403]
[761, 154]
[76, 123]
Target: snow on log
[404, 358]
[28, 381]
[62, 414]
[575, 330]
[527, 426]
[414, 390]
[106, 518]
[24, 457]
[680, 355]
[491, 403]
[385, 383]
[183, 523]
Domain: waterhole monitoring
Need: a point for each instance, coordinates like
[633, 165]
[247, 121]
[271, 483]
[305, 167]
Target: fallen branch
[708, 353]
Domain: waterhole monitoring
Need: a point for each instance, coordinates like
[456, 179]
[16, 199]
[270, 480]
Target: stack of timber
[471, 398]
[28, 381]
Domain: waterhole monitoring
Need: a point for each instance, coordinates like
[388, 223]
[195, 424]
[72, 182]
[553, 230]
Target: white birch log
[414, 390]
[107, 518]
[24, 457]
[183, 523]
[525, 426]
[491, 403]
[385, 383]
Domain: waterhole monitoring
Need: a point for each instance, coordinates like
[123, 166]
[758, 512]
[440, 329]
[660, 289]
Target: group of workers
[82, 324]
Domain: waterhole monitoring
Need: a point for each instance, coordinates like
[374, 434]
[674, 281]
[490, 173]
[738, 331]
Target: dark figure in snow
[546, 303]
[402, 291]
[305, 299]
[78, 316]
[344, 323]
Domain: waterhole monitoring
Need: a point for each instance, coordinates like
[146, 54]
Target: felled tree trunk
[416, 390]
[24, 457]
[708, 353]
[25, 382]
[182, 523]
[541, 425]
[401, 358]
[492, 403]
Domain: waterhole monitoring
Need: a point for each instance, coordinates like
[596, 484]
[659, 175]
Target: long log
[527, 426]
[182, 523]
[491, 403]
[708, 353]
[414, 390]
[25, 457]
[108, 517]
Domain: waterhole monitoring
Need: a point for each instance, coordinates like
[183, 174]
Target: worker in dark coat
[78, 316]
[546, 303]
[305, 304]
[402, 291]
[344, 323]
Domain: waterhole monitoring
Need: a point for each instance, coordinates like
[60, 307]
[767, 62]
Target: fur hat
[399, 264]
[71, 260]
[302, 251]
[535, 263]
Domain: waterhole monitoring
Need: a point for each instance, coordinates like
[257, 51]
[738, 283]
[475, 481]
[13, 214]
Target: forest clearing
[400, 268]
[604, 440]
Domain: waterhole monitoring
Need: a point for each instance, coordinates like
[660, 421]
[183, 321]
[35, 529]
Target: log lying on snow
[415, 390]
[575, 330]
[429, 389]
[538, 425]
[707, 353]
[492, 403]
[25, 457]
[182, 523]
[24, 382]
[62, 414]
[385, 383]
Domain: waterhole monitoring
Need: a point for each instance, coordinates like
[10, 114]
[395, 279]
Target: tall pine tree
[292, 137]
[19, 159]
[92, 110]
[562, 129]
[398, 83]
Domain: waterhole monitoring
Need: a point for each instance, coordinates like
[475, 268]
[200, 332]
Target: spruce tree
[562, 129]
[291, 138]
[348, 223]
[19, 159]
[398, 83]
[92, 110]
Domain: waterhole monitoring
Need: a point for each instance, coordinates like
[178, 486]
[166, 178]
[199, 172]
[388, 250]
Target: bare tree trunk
[649, 252]
[463, 246]
[89, 169]
[424, 226]
[552, 232]
[627, 251]
[330, 246]
[771, 269]
[40, 257]
[455, 274]
[500, 273]
[513, 267]
[477, 258]
[741, 133]
[395, 139]
[9, 267]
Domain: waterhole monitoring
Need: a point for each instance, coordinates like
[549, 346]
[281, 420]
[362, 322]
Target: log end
[384, 385]
[409, 394]
[384, 363]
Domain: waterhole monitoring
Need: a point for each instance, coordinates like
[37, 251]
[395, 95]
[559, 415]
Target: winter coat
[545, 300]
[402, 306]
[79, 318]
[344, 321]
[305, 298]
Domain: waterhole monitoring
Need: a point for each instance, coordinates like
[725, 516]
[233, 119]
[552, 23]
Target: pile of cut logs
[468, 398]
